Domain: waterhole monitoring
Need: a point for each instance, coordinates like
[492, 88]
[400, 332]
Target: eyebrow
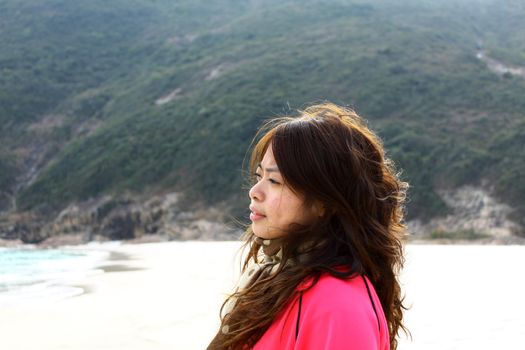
[269, 170]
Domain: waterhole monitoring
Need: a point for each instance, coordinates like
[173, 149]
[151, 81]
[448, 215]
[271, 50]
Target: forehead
[268, 158]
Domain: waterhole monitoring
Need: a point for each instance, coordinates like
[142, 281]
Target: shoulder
[331, 314]
[345, 297]
[337, 313]
[330, 288]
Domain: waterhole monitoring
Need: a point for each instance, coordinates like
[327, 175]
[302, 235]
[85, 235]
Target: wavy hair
[326, 154]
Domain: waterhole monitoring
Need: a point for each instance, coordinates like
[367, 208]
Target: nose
[255, 192]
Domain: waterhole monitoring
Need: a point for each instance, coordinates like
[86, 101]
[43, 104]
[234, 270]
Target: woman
[325, 242]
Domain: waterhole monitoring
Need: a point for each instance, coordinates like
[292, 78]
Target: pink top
[334, 314]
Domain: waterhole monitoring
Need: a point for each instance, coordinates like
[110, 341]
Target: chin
[256, 231]
[260, 231]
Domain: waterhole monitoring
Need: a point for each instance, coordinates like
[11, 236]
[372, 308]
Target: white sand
[463, 297]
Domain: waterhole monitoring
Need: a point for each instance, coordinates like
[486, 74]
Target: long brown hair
[329, 155]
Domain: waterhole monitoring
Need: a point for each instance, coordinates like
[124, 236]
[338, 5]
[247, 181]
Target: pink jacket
[334, 314]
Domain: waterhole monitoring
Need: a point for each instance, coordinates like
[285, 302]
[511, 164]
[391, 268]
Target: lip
[255, 215]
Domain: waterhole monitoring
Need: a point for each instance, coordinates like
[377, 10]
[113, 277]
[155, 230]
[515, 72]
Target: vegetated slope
[174, 92]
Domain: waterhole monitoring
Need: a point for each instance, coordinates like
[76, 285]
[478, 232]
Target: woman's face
[273, 204]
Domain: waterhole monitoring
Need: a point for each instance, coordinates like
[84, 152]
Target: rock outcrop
[109, 218]
[474, 210]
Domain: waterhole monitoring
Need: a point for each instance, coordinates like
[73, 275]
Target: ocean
[28, 274]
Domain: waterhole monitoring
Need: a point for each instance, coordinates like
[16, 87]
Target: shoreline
[60, 243]
[167, 296]
[147, 298]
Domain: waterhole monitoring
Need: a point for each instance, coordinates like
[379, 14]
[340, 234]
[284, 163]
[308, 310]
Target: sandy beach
[167, 296]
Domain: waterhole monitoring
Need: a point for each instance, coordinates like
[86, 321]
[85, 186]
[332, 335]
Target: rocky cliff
[123, 218]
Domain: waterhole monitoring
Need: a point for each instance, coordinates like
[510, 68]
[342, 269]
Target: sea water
[28, 274]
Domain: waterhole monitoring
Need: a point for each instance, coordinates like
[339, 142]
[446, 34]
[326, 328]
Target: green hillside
[408, 67]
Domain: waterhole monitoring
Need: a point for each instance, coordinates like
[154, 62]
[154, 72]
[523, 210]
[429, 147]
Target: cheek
[274, 207]
[290, 209]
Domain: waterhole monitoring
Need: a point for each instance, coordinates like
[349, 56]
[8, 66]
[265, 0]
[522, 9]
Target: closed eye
[272, 181]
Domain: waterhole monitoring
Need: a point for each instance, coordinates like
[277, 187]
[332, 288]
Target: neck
[270, 246]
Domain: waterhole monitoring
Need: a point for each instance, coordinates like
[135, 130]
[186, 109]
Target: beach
[168, 295]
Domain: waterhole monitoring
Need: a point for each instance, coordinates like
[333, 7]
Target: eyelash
[271, 180]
